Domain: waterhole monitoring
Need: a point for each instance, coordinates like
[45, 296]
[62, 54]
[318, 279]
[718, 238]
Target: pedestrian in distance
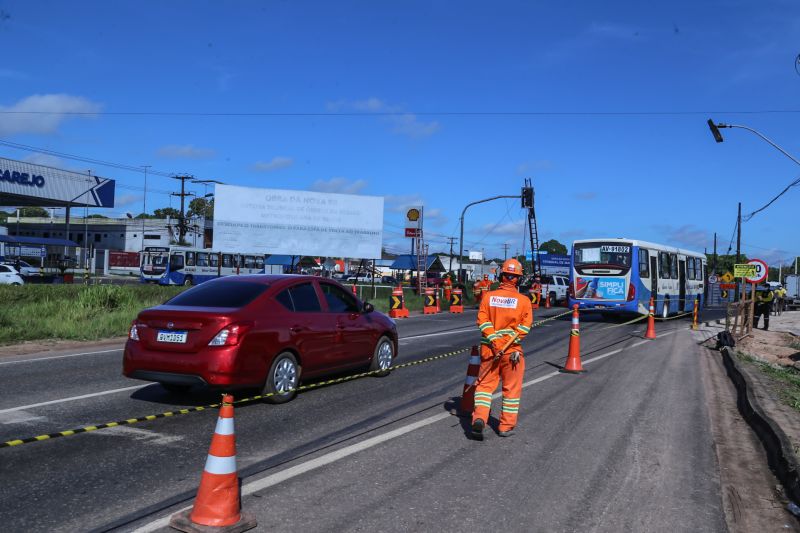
[764, 298]
[780, 295]
[504, 316]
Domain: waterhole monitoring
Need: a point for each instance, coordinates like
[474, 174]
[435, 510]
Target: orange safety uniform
[448, 285]
[502, 313]
[477, 290]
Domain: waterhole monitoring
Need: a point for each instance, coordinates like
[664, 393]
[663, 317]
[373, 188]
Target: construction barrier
[694, 313]
[456, 303]
[397, 304]
[217, 501]
[573, 365]
[430, 306]
[535, 295]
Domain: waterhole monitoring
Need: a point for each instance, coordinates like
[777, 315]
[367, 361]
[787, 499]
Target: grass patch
[787, 378]
[74, 312]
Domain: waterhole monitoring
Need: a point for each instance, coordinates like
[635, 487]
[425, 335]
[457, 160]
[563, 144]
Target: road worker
[503, 313]
[764, 298]
[448, 286]
[780, 295]
[487, 284]
[477, 291]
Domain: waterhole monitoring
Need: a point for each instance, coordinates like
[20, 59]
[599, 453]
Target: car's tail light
[231, 335]
[631, 292]
[133, 334]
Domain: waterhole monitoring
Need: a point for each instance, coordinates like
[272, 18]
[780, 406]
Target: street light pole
[144, 203]
[715, 127]
[461, 238]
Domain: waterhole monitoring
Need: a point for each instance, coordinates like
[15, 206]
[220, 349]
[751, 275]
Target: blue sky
[602, 104]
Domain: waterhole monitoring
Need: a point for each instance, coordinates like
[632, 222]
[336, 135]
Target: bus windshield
[603, 254]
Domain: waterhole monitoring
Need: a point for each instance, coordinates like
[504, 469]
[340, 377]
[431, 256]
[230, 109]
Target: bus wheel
[187, 281]
[665, 310]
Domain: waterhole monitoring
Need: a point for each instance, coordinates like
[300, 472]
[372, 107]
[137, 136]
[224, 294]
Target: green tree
[165, 212]
[553, 247]
[724, 262]
[34, 212]
[97, 216]
[200, 207]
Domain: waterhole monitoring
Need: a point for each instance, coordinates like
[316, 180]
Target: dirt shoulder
[58, 347]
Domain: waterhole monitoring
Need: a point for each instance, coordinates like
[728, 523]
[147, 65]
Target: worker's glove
[497, 345]
[514, 358]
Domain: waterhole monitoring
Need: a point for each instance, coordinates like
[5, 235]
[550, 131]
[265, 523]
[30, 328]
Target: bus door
[682, 284]
[654, 276]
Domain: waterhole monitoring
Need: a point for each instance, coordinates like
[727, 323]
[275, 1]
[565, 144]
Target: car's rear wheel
[176, 389]
[382, 357]
[284, 375]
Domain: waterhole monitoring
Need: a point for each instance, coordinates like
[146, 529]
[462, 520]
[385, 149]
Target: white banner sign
[476, 256]
[276, 221]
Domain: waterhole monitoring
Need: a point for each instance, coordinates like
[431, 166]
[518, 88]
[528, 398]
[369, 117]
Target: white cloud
[276, 163]
[509, 229]
[401, 122]
[537, 165]
[339, 185]
[46, 160]
[588, 195]
[43, 113]
[185, 151]
[128, 199]
[398, 203]
[687, 235]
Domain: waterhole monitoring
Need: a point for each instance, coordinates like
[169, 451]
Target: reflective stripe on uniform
[524, 329]
[485, 325]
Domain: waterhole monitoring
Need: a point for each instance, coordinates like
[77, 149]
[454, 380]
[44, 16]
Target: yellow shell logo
[413, 215]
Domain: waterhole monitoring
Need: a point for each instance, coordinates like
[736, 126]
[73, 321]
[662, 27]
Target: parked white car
[23, 267]
[556, 286]
[10, 276]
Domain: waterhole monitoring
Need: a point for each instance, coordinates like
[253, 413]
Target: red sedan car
[262, 331]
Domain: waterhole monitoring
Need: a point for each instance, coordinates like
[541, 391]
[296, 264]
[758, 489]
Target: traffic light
[527, 197]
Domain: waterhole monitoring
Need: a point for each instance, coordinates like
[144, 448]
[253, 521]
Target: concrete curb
[780, 454]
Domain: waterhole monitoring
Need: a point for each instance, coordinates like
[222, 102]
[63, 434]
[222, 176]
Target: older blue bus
[621, 275]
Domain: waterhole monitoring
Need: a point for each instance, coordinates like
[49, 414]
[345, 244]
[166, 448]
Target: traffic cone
[694, 313]
[573, 365]
[217, 504]
[547, 298]
[651, 323]
[468, 395]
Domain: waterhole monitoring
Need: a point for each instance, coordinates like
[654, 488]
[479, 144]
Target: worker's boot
[506, 433]
[477, 429]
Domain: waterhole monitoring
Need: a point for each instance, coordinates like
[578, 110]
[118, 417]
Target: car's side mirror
[368, 308]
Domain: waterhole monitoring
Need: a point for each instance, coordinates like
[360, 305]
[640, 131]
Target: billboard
[275, 221]
[555, 264]
[600, 288]
[24, 183]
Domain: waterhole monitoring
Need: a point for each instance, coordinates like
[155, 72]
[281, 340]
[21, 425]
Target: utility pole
[739, 246]
[714, 267]
[505, 251]
[452, 241]
[144, 203]
[182, 229]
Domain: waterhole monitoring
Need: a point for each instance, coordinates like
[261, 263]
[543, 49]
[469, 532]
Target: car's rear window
[220, 294]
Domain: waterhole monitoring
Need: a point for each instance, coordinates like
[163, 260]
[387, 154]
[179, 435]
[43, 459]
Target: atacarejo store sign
[53, 186]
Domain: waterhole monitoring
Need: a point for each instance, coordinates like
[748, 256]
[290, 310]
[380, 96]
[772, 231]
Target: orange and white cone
[217, 504]
[547, 298]
[468, 395]
[573, 365]
[651, 322]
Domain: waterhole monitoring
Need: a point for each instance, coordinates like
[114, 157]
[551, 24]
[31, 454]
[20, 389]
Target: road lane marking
[72, 398]
[425, 335]
[250, 487]
[36, 359]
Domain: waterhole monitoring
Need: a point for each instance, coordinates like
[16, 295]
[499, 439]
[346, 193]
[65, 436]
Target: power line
[317, 114]
[754, 213]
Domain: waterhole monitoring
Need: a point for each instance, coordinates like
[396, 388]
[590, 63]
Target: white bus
[180, 265]
[621, 275]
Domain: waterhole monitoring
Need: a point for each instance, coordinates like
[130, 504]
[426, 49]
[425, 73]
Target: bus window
[693, 270]
[260, 262]
[202, 259]
[227, 261]
[190, 259]
[237, 261]
[176, 262]
[249, 261]
[663, 265]
[644, 264]
[673, 266]
[214, 260]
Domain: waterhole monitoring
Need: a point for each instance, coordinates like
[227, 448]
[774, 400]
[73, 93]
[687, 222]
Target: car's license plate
[172, 336]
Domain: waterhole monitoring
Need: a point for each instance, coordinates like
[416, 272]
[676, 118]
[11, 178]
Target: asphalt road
[625, 446]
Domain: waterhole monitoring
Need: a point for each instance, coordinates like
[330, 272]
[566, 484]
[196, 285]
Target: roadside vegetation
[787, 380]
[73, 312]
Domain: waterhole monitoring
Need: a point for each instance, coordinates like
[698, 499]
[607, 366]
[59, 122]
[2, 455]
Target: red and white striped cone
[468, 395]
[651, 323]
[573, 365]
[217, 506]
